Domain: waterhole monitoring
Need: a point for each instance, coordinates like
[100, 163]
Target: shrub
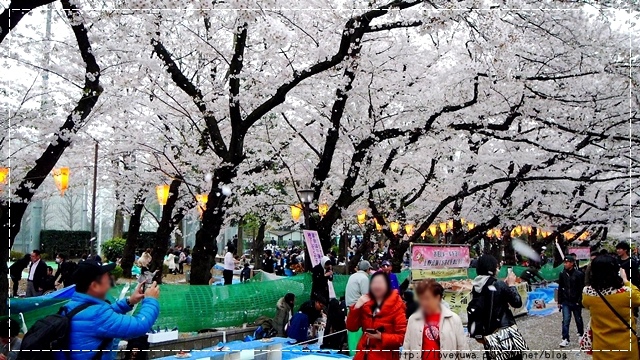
[113, 249]
[16, 255]
[117, 272]
[71, 243]
[146, 239]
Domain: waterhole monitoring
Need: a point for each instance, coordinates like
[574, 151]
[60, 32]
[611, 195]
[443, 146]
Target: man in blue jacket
[98, 326]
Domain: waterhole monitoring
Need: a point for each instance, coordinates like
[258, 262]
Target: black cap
[570, 258]
[89, 270]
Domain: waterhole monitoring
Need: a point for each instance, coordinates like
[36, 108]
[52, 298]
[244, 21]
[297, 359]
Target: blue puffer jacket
[106, 321]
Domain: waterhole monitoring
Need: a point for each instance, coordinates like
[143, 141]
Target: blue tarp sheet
[547, 295]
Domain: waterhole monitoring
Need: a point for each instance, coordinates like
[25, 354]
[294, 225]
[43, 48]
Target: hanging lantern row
[296, 211]
[570, 235]
[443, 227]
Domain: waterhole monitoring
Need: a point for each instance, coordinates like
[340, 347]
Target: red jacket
[391, 316]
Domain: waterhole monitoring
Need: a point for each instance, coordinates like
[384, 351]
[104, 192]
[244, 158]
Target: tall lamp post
[94, 241]
[306, 196]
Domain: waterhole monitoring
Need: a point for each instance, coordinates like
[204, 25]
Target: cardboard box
[163, 336]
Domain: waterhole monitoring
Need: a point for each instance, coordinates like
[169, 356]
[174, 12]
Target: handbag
[586, 340]
[624, 321]
[504, 343]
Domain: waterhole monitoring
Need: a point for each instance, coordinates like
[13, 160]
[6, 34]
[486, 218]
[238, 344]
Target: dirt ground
[543, 334]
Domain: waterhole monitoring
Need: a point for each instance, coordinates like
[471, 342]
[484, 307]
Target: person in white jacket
[434, 331]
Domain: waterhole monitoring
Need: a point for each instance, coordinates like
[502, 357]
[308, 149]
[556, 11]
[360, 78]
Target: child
[50, 281]
[245, 274]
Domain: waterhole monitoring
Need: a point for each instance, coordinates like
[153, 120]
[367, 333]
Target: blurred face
[319, 306]
[386, 268]
[378, 288]
[621, 252]
[429, 303]
[35, 257]
[100, 288]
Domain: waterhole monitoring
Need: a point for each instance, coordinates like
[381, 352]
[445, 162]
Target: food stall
[449, 265]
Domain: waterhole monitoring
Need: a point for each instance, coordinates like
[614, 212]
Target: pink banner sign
[312, 240]
[582, 253]
[425, 256]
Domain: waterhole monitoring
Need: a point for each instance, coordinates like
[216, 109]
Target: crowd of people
[378, 318]
[41, 278]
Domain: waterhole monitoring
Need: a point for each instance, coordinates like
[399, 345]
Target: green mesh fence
[192, 308]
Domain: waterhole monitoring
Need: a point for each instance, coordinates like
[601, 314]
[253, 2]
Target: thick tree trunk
[165, 228]
[240, 248]
[557, 257]
[258, 246]
[133, 240]
[206, 249]
[118, 224]
[180, 235]
[509, 253]
[361, 253]
[4, 280]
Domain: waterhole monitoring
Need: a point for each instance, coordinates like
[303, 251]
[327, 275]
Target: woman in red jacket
[381, 315]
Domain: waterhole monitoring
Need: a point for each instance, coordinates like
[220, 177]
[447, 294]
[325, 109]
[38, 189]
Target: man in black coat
[321, 274]
[65, 270]
[570, 285]
[628, 264]
[37, 275]
[15, 272]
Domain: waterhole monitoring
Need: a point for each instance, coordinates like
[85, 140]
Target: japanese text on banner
[425, 256]
[312, 240]
[582, 253]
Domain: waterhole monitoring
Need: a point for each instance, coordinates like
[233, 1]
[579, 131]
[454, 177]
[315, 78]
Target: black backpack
[51, 334]
[479, 311]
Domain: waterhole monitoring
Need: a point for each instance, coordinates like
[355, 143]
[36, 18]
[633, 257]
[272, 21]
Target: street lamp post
[306, 197]
[93, 202]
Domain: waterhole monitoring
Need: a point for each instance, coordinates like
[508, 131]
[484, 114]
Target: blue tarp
[64, 293]
[547, 295]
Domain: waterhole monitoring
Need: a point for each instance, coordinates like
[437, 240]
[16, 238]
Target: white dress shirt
[229, 262]
[32, 269]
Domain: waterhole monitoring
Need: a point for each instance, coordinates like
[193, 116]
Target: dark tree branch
[235, 67]
[17, 10]
[393, 25]
[302, 137]
[195, 94]
[352, 34]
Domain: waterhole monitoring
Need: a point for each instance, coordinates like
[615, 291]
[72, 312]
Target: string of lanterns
[442, 227]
